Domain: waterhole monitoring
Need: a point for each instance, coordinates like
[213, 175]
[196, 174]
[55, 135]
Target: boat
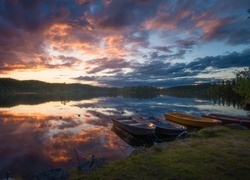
[191, 121]
[130, 139]
[164, 128]
[226, 119]
[134, 127]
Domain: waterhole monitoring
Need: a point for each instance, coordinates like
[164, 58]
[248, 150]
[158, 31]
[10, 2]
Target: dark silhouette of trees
[225, 92]
[8, 85]
[221, 93]
[14, 92]
[242, 84]
[190, 91]
[141, 92]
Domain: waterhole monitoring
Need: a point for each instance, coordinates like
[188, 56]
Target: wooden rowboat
[133, 126]
[193, 121]
[226, 119]
[163, 128]
[130, 139]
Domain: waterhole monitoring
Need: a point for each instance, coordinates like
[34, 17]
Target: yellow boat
[189, 120]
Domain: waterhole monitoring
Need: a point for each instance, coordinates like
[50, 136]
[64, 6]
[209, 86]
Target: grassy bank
[214, 153]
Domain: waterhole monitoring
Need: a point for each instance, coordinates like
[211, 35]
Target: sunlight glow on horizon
[105, 43]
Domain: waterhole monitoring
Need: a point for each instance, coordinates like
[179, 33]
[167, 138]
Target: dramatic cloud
[162, 73]
[113, 65]
[121, 42]
[233, 59]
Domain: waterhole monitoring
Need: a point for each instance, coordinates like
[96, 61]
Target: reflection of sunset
[58, 155]
[48, 133]
[61, 145]
[21, 116]
[52, 130]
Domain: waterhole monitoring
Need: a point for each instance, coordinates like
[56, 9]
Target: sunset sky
[124, 42]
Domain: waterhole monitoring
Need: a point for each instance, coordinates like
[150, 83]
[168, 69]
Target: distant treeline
[219, 89]
[44, 90]
[8, 85]
[220, 93]
[223, 89]
[140, 92]
[205, 90]
[188, 91]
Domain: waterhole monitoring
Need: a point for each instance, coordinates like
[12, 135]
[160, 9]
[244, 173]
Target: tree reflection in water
[42, 134]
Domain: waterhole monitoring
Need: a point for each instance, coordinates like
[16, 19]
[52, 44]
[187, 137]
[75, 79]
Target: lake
[43, 135]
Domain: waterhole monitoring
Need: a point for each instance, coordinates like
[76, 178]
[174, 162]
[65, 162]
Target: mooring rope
[180, 135]
[83, 155]
[157, 137]
[170, 139]
[122, 150]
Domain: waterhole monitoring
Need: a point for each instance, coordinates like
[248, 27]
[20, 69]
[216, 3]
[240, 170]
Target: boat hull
[130, 139]
[225, 119]
[193, 121]
[134, 127]
[165, 129]
[162, 127]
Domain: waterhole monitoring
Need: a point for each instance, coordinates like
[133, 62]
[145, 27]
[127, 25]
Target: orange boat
[189, 120]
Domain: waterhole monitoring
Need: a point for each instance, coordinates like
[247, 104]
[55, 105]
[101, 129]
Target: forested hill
[8, 85]
[12, 86]
[207, 90]
[202, 90]
[14, 92]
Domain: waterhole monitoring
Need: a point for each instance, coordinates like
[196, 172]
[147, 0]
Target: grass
[211, 153]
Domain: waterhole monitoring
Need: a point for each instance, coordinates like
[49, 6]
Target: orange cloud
[210, 24]
[166, 19]
[65, 37]
[160, 23]
[209, 27]
[115, 46]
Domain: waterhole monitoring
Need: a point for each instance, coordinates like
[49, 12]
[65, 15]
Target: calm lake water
[41, 136]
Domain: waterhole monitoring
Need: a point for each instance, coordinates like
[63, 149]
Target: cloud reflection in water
[38, 137]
